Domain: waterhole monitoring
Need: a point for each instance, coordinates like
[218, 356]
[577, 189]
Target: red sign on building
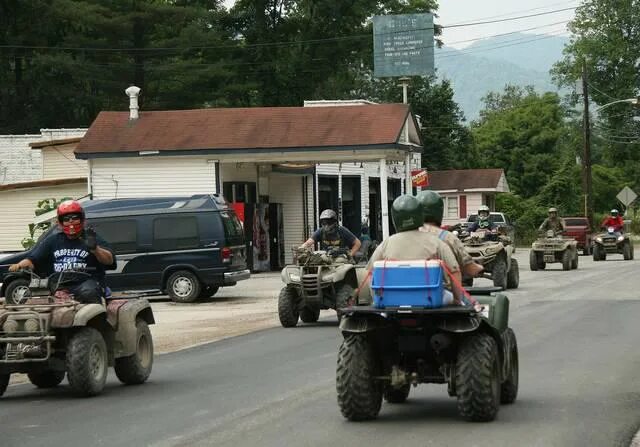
[419, 177]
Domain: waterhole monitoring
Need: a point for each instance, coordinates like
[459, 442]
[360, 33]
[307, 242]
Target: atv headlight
[599, 239]
[620, 238]
[294, 276]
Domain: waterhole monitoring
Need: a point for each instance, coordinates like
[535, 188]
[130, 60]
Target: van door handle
[213, 244]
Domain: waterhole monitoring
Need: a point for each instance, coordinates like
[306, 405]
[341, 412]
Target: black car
[186, 247]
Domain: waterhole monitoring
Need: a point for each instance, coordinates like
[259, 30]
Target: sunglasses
[70, 217]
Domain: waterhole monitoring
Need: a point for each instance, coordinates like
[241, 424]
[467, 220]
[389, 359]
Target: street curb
[635, 442]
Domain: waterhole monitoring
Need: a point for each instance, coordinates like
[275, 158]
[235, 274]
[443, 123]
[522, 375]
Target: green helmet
[432, 206]
[406, 213]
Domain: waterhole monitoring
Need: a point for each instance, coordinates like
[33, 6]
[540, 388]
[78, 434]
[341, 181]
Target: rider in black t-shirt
[330, 235]
[75, 249]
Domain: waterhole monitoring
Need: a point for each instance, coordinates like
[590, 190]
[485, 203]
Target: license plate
[549, 258]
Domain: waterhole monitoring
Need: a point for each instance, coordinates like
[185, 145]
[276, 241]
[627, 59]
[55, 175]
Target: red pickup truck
[580, 229]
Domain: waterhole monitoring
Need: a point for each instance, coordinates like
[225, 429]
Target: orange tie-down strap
[467, 299]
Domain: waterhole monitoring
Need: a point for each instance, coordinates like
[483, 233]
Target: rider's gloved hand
[90, 238]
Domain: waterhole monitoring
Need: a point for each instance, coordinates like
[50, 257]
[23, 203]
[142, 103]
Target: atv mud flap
[360, 324]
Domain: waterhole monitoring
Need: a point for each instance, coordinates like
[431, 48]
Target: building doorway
[351, 204]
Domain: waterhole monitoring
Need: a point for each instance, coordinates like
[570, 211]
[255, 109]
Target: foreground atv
[47, 337]
[552, 248]
[612, 242]
[318, 280]
[386, 351]
[494, 252]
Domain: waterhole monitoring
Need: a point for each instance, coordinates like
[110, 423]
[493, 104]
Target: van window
[175, 233]
[121, 235]
[232, 225]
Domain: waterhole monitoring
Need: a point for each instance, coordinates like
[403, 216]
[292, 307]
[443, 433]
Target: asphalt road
[579, 384]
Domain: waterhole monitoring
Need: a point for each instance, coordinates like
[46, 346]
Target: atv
[494, 251]
[551, 247]
[49, 335]
[612, 242]
[318, 280]
[386, 351]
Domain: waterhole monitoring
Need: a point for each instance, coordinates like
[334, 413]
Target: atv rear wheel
[310, 314]
[586, 251]
[478, 378]
[208, 292]
[567, 260]
[499, 272]
[574, 262]
[87, 362]
[135, 369]
[359, 396]
[533, 261]
[397, 395]
[513, 275]
[509, 388]
[344, 292]
[46, 379]
[4, 383]
[288, 307]
[626, 251]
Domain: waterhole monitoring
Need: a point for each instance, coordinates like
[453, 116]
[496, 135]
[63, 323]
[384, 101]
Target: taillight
[227, 254]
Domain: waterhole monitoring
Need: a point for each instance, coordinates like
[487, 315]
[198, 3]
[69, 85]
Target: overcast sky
[463, 11]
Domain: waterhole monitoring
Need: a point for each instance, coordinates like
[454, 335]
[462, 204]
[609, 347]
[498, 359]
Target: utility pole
[586, 156]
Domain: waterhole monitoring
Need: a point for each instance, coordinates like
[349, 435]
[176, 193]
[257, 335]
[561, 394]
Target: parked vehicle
[550, 248]
[498, 219]
[612, 242]
[186, 247]
[318, 280]
[49, 336]
[579, 228]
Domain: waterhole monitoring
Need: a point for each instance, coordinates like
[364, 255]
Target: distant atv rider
[613, 220]
[74, 249]
[553, 222]
[330, 235]
[483, 222]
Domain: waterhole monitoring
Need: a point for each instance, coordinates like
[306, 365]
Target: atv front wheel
[478, 378]
[17, 292]
[513, 275]
[499, 272]
[4, 383]
[288, 307]
[533, 261]
[87, 362]
[135, 369]
[509, 388]
[46, 379]
[626, 251]
[567, 260]
[397, 395]
[359, 396]
[310, 314]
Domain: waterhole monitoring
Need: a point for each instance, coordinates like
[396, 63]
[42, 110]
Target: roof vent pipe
[133, 92]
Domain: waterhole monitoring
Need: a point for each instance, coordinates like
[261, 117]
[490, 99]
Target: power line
[507, 34]
[526, 10]
[555, 11]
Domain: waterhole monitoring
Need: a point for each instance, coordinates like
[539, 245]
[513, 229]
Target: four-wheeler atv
[318, 280]
[612, 242]
[386, 351]
[551, 247]
[48, 336]
[494, 251]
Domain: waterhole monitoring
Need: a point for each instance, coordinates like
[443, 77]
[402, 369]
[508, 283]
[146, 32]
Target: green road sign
[403, 45]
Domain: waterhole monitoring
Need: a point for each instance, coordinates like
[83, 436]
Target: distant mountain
[491, 64]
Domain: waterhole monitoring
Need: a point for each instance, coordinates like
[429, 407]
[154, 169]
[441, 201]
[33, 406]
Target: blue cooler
[407, 284]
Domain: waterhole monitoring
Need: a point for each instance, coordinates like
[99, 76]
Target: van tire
[183, 286]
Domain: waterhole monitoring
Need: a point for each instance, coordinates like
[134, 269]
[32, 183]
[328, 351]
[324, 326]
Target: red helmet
[70, 207]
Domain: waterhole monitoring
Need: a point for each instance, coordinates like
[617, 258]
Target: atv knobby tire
[626, 251]
[533, 261]
[567, 259]
[599, 254]
[574, 262]
[513, 275]
[499, 272]
[208, 291]
[310, 314]
[16, 289]
[509, 388]
[359, 395]
[397, 395]
[4, 383]
[288, 307]
[344, 292]
[478, 378]
[46, 379]
[87, 362]
[135, 369]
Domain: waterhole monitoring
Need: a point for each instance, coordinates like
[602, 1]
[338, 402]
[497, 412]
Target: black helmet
[406, 213]
[432, 206]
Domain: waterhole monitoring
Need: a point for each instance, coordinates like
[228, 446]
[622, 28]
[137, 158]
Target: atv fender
[360, 324]
[364, 293]
[345, 272]
[498, 311]
[126, 333]
[87, 312]
[288, 270]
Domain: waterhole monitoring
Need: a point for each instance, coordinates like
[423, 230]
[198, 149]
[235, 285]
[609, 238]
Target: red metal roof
[242, 128]
[462, 179]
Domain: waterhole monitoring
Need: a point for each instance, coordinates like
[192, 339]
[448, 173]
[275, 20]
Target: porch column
[384, 205]
[407, 172]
